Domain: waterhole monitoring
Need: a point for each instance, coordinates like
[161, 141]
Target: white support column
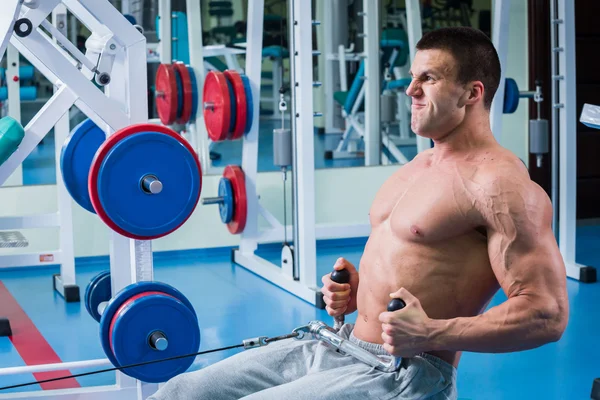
[10, 12]
[564, 106]
[250, 150]
[303, 179]
[372, 135]
[415, 32]
[14, 103]
[500, 37]
[66, 278]
[164, 11]
[199, 134]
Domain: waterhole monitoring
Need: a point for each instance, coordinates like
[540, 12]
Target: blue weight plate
[233, 108]
[119, 184]
[76, 158]
[138, 319]
[92, 282]
[179, 93]
[194, 93]
[96, 292]
[227, 206]
[249, 104]
[121, 297]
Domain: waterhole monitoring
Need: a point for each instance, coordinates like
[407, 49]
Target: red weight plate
[241, 107]
[166, 94]
[217, 116]
[105, 149]
[240, 212]
[186, 81]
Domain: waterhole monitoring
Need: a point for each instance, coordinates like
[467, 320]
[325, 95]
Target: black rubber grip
[396, 304]
[341, 276]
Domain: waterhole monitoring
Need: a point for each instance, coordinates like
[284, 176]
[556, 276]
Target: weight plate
[96, 292]
[166, 93]
[194, 85]
[249, 103]
[216, 117]
[227, 206]
[76, 158]
[117, 172]
[240, 106]
[233, 109]
[186, 94]
[238, 183]
[179, 94]
[141, 316]
[121, 297]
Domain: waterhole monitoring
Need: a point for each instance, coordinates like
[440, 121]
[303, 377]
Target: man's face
[436, 95]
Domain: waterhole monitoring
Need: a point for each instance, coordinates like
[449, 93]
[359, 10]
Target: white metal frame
[301, 279]
[500, 38]
[14, 103]
[64, 256]
[564, 125]
[123, 103]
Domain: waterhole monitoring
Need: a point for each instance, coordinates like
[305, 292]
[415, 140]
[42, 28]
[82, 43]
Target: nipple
[415, 230]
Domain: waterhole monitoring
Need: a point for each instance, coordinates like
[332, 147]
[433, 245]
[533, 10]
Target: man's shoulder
[505, 187]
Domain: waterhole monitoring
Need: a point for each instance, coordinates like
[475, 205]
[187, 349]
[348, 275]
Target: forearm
[518, 324]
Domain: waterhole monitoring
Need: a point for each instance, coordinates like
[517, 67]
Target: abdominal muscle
[450, 278]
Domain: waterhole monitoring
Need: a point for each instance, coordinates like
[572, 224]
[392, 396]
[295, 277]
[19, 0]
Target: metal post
[500, 39]
[372, 135]
[66, 278]
[415, 32]
[199, 136]
[554, 22]
[303, 177]
[250, 149]
[164, 10]
[565, 108]
[14, 103]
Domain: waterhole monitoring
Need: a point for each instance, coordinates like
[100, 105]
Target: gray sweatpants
[309, 369]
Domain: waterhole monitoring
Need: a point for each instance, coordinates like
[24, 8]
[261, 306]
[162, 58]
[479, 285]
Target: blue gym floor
[233, 304]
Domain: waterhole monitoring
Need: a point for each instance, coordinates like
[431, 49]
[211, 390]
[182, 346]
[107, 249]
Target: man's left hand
[406, 332]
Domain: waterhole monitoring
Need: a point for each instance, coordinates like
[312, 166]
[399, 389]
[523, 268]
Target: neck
[471, 133]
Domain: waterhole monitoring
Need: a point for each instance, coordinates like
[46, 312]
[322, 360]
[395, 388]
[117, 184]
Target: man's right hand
[340, 298]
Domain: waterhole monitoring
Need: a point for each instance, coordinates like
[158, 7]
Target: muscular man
[449, 229]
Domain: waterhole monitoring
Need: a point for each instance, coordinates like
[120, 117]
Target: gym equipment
[320, 331]
[148, 321]
[11, 136]
[97, 293]
[232, 200]
[26, 73]
[340, 276]
[166, 94]
[145, 181]
[26, 93]
[176, 93]
[227, 103]
[595, 390]
[122, 180]
[76, 158]
[5, 327]
[512, 95]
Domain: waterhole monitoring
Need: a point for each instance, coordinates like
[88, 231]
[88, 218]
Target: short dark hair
[475, 55]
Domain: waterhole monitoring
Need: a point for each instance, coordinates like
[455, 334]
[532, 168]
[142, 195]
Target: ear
[473, 94]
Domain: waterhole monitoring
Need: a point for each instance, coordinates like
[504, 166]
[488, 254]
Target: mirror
[343, 134]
